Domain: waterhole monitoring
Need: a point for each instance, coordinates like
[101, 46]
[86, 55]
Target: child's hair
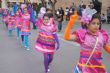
[95, 16]
[84, 6]
[49, 15]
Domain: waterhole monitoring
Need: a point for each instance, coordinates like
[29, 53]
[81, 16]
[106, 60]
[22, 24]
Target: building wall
[23, 0]
[15, 0]
[106, 4]
[67, 3]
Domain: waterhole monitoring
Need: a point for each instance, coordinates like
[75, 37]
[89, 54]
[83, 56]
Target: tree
[27, 1]
[53, 3]
[43, 3]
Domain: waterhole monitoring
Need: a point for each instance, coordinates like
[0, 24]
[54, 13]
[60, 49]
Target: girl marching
[5, 17]
[18, 22]
[91, 39]
[11, 24]
[25, 29]
[47, 41]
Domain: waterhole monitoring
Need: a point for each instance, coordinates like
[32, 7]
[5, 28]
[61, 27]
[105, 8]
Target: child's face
[94, 25]
[46, 20]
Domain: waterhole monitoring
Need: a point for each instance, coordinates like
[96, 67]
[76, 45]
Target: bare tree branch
[43, 2]
[53, 2]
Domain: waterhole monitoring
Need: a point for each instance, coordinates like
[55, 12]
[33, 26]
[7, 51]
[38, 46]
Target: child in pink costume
[25, 29]
[47, 38]
[5, 17]
[87, 40]
[11, 24]
[18, 22]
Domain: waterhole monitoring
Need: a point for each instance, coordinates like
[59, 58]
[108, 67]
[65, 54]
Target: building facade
[66, 3]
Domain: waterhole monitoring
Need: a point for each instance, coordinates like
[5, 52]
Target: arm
[39, 22]
[57, 40]
[55, 33]
[106, 39]
[67, 33]
[33, 19]
[107, 48]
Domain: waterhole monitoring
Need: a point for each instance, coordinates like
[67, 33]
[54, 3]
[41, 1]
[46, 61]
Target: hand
[57, 41]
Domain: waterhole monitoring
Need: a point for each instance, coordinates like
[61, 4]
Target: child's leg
[34, 26]
[22, 38]
[26, 41]
[50, 58]
[46, 60]
[109, 19]
[18, 32]
[6, 25]
[10, 32]
[60, 26]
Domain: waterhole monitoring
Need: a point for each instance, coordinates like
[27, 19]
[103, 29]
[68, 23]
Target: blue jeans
[10, 32]
[60, 26]
[26, 41]
[18, 32]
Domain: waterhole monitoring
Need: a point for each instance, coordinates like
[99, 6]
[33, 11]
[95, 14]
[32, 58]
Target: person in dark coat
[97, 5]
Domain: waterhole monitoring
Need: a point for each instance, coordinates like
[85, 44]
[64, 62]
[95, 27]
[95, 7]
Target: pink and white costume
[18, 21]
[11, 23]
[25, 29]
[45, 42]
[87, 42]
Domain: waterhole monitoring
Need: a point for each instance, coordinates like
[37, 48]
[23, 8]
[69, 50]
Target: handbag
[76, 69]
